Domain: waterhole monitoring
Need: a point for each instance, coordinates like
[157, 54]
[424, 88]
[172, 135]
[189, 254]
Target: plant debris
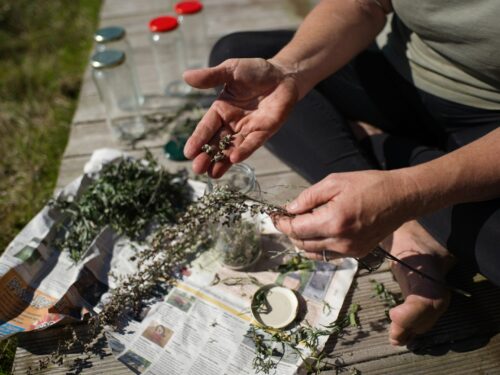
[303, 341]
[388, 298]
[296, 263]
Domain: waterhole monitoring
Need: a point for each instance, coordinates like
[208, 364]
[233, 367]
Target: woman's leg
[316, 139]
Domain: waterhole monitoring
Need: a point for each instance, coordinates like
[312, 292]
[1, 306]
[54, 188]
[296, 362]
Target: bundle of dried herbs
[129, 195]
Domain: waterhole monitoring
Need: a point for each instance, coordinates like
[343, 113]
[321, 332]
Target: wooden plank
[485, 360]
[466, 323]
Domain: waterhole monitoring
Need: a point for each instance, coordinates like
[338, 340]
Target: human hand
[348, 213]
[257, 97]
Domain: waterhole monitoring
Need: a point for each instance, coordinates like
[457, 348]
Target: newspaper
[198, 327]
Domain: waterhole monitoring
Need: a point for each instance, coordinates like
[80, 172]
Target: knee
[489, 264]
[245, 44]
[229, 46]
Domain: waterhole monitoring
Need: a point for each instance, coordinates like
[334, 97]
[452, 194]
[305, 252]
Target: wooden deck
[465, 340]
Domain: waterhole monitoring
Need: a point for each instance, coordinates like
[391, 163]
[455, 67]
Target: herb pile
[170, 249]
[129, 196]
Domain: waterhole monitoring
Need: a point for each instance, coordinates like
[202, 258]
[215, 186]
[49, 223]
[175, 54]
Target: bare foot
[425, 300]
[361, 130]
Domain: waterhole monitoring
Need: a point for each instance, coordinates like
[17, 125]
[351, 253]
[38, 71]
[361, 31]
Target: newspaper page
[199, 327]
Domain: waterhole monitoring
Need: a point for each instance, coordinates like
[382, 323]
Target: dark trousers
[316, 139]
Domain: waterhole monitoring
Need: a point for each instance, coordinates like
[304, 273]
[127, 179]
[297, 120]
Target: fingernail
[292, 206]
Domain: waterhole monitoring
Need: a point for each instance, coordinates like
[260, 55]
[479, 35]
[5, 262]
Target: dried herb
[239, 244]
[235, 281]
[129, 196]
[303, 341]
[172, 248]
[217, 155]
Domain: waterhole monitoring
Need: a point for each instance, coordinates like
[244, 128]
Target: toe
[398, 334]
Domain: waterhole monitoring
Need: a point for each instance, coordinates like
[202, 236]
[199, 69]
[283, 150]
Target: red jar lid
[163, 24]
[188, 7]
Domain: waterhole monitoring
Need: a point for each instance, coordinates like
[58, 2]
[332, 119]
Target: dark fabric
[316, 139]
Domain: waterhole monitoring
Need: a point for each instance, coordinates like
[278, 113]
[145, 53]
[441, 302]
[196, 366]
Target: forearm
[471, 173]
[330, 36]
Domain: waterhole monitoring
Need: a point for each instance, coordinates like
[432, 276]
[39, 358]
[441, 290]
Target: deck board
[466, 340]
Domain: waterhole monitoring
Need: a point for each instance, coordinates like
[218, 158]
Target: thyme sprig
[303, 341]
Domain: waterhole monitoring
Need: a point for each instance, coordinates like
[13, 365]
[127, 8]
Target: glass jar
[239, 245]
[240, 177]
[168, 55]
[193, 32]
[115, 37]
[116, 88]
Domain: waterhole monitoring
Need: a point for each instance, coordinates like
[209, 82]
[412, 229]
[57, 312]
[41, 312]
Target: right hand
[257, 97]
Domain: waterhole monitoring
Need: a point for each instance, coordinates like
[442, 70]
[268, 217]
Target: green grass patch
[45, 48]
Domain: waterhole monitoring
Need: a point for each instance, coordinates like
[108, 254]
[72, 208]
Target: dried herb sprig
[129, 196]
[271, 345]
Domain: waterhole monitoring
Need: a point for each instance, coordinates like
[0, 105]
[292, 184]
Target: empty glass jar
[115, 37]
[117, 91]
[193, 32]
[168, 55]
[240, 177]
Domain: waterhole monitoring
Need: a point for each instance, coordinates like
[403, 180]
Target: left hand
[349, 213]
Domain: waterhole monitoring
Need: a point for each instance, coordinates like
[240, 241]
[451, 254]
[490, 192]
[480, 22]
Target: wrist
[411, 196]
[291, 69]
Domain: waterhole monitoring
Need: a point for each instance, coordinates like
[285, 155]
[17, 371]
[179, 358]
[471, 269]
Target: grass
[45, 47]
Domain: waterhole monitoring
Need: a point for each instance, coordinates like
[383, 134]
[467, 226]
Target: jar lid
[107, 59]
[163, 24]
[275, 306]
[188, 7]
[109, 34]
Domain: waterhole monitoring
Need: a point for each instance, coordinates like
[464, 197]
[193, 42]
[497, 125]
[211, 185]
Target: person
[400, 140]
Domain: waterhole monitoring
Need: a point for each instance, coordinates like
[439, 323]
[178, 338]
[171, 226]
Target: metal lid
[163, 24]
[107, 59]
[275, 306]
[188, 7]
[109, 34]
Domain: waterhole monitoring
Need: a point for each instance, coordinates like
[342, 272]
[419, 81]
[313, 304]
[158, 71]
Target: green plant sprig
[303, 340]
[388, 298]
